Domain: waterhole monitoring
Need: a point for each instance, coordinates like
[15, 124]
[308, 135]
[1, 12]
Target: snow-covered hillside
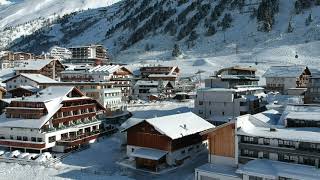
[207, 31]
[4, 2]
[23, 17]
[19, 12]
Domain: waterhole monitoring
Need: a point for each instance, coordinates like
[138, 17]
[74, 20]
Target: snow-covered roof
[274, 169]
[308, 116]
[106, 68]
[285, 71]
[179, 125]
[162, 75]
[52, 106]
[251, 125]
[224, 170]
[33, 64]
[148, 153]
[151, 83]
[130, 122]
[6, 74]
[39, 78]
[52, 97]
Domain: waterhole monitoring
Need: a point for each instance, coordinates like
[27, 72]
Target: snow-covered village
[160, 89]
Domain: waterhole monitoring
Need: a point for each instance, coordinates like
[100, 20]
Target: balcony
[84, 138]
[73, 125]
[22, 144]
[74, 117]
[277, 149]
[78, 107]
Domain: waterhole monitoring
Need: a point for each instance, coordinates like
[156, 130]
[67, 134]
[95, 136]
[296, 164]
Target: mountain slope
[20, 18]
[148, 29]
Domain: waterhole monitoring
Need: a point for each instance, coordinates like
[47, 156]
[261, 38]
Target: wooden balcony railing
[73, 118]
[22, 144]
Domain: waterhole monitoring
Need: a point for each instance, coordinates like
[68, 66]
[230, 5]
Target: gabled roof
[108, 68]
[52, 98]
[34, 64]
[179, 125]
[285, 71]
[38, 78]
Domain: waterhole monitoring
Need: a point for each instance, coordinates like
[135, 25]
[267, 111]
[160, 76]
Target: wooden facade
[222, 140]
[19, 92]
[51, 70]
[145, 135]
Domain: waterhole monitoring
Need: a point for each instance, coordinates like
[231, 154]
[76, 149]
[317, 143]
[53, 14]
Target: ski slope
[15, 12]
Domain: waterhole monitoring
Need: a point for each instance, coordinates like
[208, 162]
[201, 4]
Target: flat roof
[219, 169]
[274, 169]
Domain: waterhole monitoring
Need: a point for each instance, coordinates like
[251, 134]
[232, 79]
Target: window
[11, 137]
[255, 178]
[52, 139]
[280, 142]
[25, 138]
[266, 141]
[33, 139]
[200, 102]
[19, 138]
[39, 139]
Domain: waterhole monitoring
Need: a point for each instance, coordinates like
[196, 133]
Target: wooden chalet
[47, 67]
[168, 140]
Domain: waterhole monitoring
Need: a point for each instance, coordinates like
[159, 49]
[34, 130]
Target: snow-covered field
[99, 161]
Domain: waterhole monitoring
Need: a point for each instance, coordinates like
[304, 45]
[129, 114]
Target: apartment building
[120, 76]
[60, 53]
[233, 76]
[10, 59]
[268, 145]
[105, 93]
[56, 119]
[145, 89]
[91, 54]
[220, 105]
[283, 78]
